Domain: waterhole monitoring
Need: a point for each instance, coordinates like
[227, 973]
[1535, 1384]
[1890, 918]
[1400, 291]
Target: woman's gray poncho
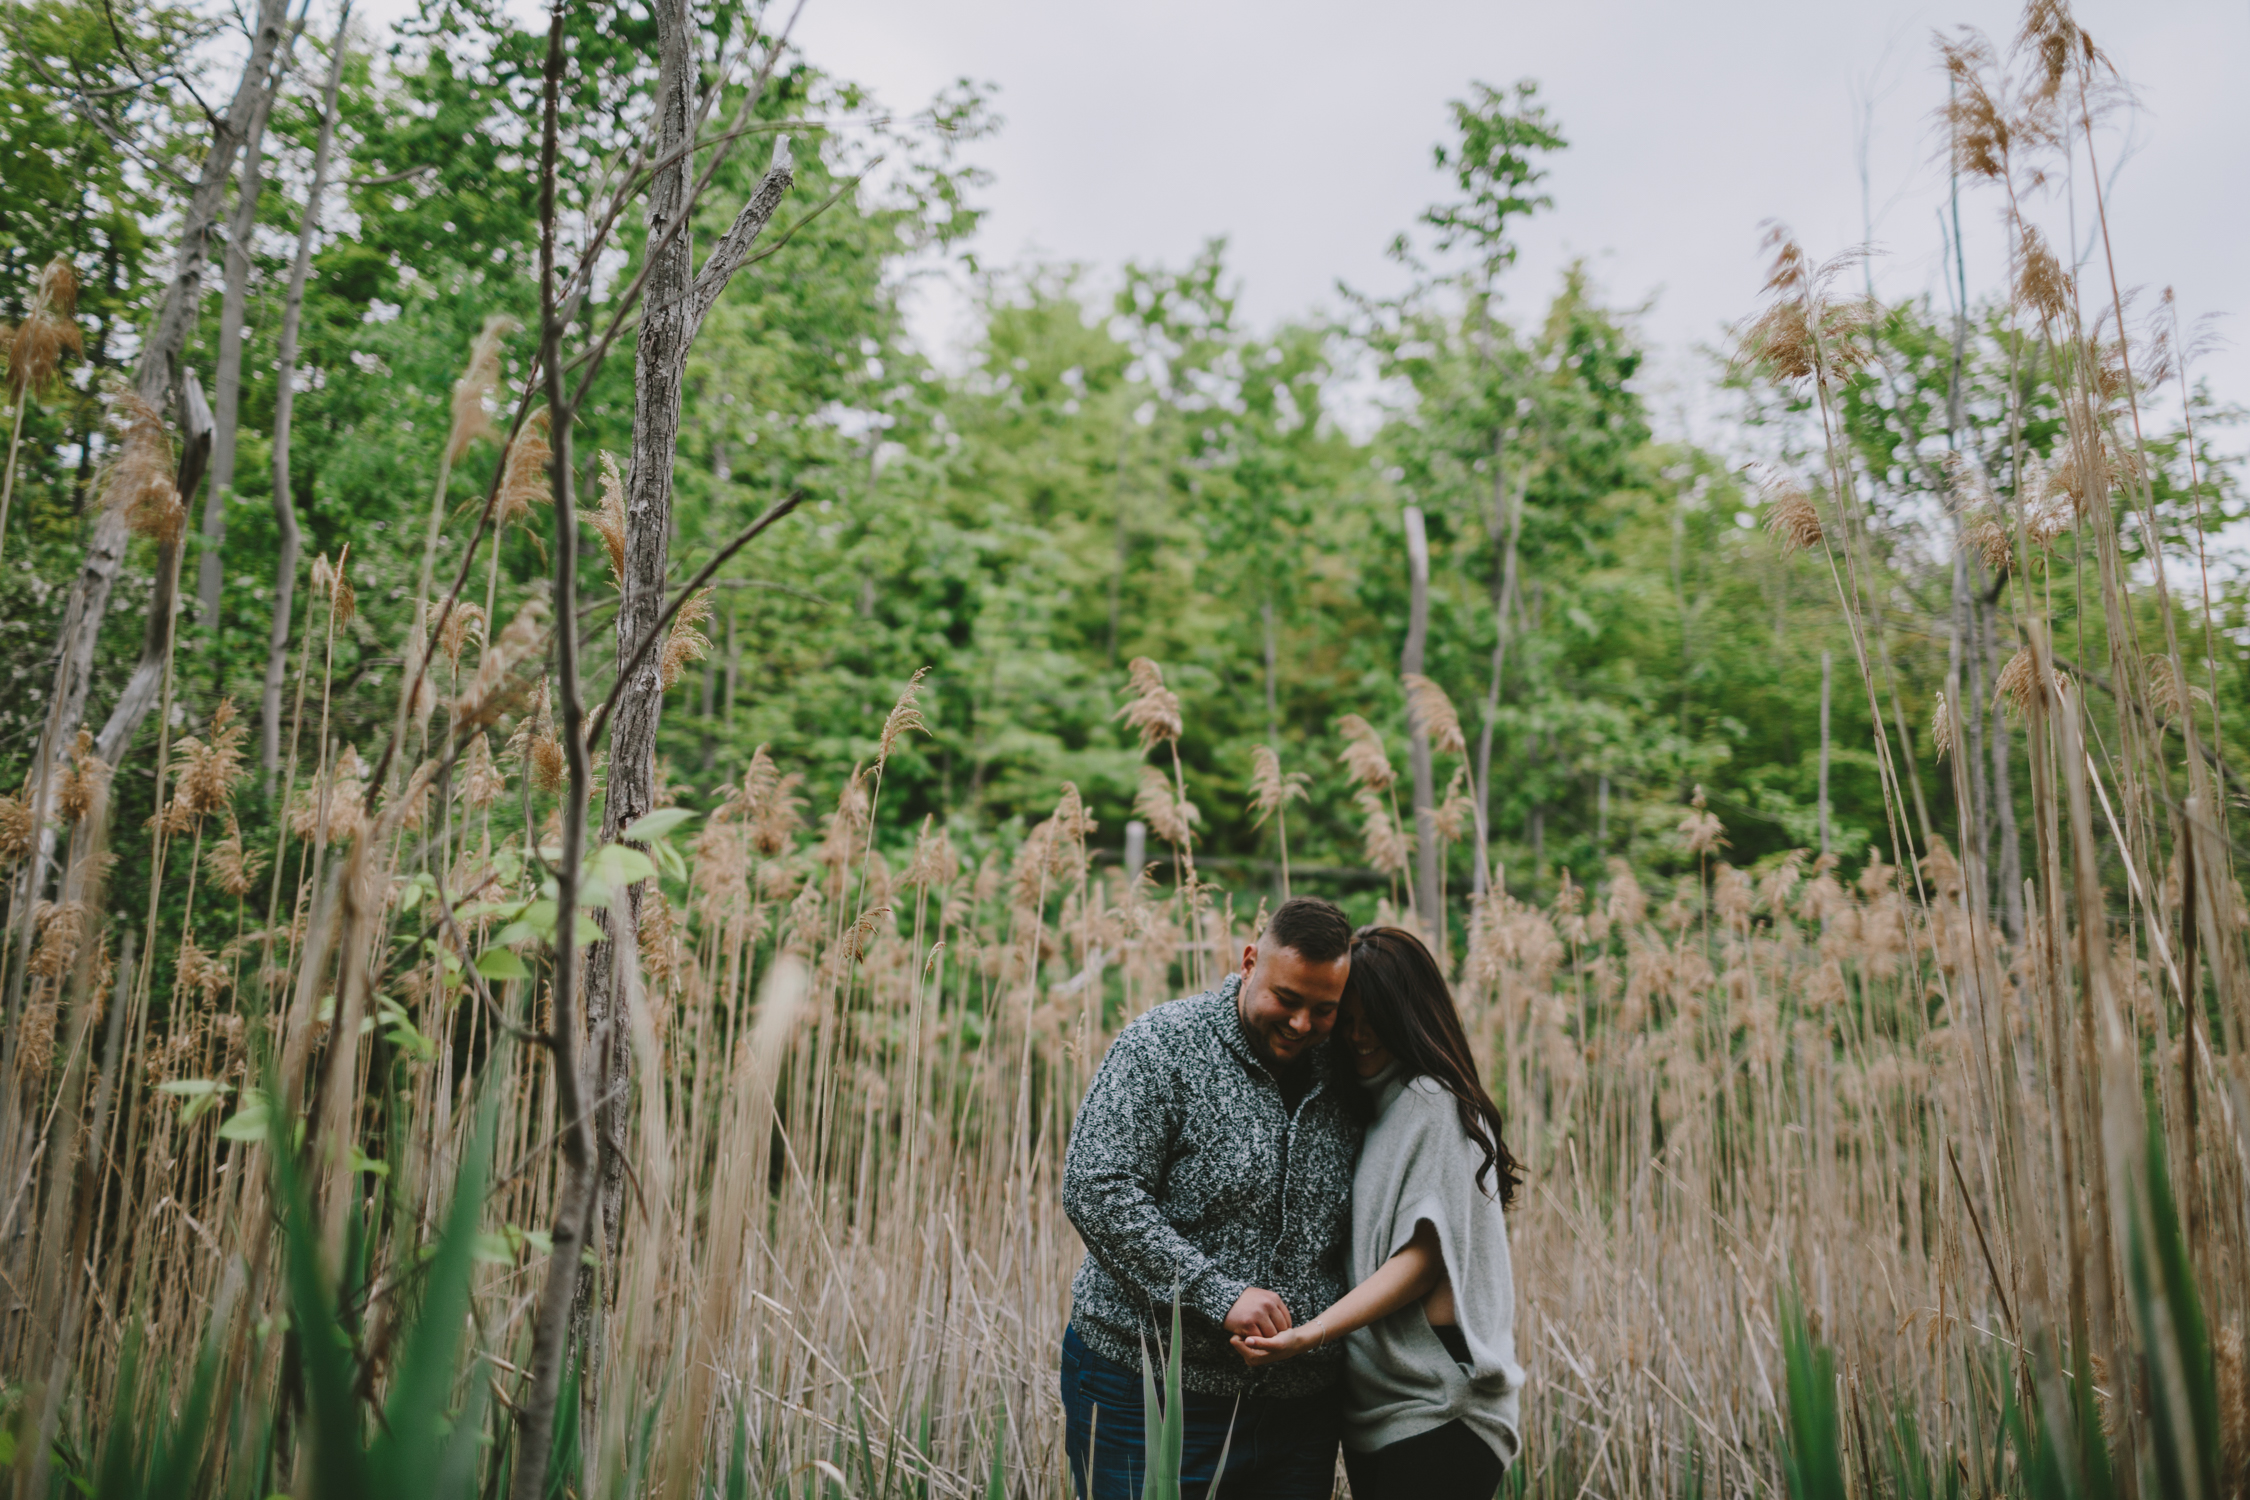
[1419, 1164]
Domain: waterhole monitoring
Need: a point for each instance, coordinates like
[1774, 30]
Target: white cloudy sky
[1301, 130]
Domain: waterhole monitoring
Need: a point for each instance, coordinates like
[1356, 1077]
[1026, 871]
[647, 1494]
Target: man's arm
[1118, 1148]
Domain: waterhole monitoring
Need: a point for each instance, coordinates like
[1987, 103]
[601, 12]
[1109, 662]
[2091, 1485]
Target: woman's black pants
[1445, 1463]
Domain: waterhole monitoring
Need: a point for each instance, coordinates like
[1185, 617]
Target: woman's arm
[1409, 1276]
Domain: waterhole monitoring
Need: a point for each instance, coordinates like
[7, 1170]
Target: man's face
[1288, 1003]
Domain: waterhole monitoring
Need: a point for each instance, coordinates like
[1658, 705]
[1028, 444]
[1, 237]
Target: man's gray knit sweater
[1187, 1167]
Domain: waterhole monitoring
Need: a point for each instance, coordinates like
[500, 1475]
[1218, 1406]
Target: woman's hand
[1259, 1350]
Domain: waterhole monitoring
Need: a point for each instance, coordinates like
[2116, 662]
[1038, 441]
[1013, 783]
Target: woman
[1431, 1356]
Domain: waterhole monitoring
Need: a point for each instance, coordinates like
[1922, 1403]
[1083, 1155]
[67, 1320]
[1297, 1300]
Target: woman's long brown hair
[1403, 995]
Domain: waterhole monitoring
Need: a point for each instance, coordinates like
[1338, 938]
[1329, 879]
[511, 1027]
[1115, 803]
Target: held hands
[1257, 1312]
[1262, 1332]
[1259, 1350]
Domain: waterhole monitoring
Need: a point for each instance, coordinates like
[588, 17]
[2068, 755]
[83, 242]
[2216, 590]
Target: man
[1213, 1157]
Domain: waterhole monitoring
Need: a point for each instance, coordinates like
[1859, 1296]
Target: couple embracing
[1306, 1155]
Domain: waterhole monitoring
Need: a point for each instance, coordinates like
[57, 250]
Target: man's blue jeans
[1282, 1449]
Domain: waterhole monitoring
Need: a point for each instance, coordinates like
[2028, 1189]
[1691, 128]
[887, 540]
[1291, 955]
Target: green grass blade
[415, 1443]
[1813, 1452]
[996, 1487]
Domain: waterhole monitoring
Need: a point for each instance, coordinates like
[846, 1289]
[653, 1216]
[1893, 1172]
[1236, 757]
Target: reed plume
[1431, 711]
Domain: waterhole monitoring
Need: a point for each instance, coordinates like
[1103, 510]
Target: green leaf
[538, 1239]
[201, 1094]
[616, 865]
[364, 1163]
[492, 1249]
[500, 964]
[249, 1122]
[650, 827]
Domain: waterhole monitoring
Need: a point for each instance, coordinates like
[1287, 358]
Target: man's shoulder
[1176, 1022]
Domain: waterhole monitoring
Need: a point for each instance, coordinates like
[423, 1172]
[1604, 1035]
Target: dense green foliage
[1110, 477]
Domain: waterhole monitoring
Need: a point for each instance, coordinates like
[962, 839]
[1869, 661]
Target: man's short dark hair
[1318, 930]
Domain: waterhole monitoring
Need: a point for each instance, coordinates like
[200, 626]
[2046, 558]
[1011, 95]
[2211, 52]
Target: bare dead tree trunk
[535, 1413]
[1506, 530]
[226, 393]
[284, 412]
[158, 375]
[1426, 848]
[1273, 677]
[675, 301]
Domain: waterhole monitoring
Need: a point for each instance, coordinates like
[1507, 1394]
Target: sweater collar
[1387, 1085]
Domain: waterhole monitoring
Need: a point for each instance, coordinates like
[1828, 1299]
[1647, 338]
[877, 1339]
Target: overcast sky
[1301, 130]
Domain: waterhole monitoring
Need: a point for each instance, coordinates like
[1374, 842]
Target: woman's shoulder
[1415, 1105]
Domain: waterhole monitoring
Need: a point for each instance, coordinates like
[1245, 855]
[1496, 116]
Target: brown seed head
[905, 716]
[1992, 541]
[609, 520]
[470, 419]
[684, 642]
[1271, 789]
[1805, 333]
[1941, 728]
[1363, 753]
[2019, 683]
[1429, 710]
[2043, 287]
[1170, 817]
[1388, 847]
[464, 622]
[934, 864]
[1456, 814]
[140, 478]
[18, 833]
[498, 684]
[1154, 709]
[332, 581]
[523, 479]
[234, 867]
[86, 783]
[482, 780]
[1701, 833]
[1791, 518]
[35, 346]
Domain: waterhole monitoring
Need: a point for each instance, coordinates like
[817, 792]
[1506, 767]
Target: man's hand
[1259, 1312]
